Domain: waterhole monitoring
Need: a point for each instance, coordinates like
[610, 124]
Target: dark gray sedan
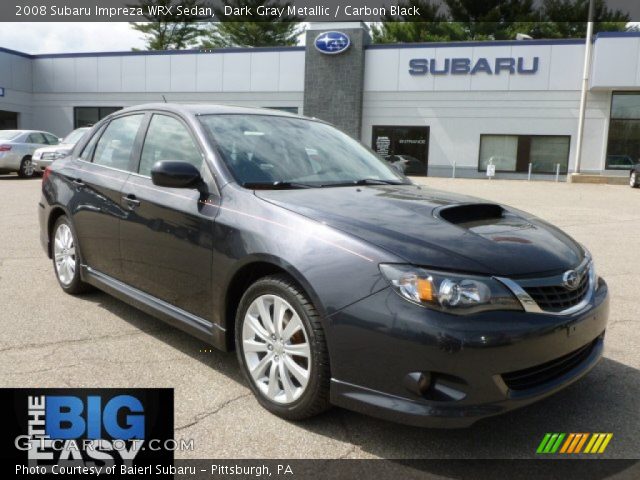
[335, 279]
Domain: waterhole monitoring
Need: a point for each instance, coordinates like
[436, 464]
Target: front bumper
[41, 164]
[376, 342]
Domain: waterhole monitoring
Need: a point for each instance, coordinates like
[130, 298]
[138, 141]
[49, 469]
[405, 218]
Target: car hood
[437, 229]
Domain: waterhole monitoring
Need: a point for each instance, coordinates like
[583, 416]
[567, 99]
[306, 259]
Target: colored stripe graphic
[550, 443]
[573, 443]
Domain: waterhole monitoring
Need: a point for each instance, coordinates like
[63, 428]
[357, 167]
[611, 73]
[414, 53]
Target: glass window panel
[168, 139]
[115, 146]
[500, 150]
[623, 148]
[547, 152]
[625, 105]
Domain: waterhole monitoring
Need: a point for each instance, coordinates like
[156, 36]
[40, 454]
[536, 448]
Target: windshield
[264, 150]
[9, 134]
[74, 136]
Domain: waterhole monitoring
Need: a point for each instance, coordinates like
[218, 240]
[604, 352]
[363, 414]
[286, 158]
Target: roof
[207, 109]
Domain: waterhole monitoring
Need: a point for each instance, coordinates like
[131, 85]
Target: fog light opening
[418, 383]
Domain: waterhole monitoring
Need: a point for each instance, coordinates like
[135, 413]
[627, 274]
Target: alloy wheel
[64, 254]
[27, 167]
[633, 179]
[276, 349]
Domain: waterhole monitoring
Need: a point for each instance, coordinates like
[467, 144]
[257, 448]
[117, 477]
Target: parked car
[17, 147]
[634, 176]
[43, 157]
[344, 285]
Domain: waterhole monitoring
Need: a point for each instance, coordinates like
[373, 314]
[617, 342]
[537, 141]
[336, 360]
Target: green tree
[430, 26]
[567, 19]
[491, 19]
[245, 31]
[172, 31]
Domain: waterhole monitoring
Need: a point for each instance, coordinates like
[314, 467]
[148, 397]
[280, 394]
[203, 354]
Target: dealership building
[433, 107]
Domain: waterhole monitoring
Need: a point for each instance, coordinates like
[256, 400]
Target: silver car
[17, 147]
[43, 157]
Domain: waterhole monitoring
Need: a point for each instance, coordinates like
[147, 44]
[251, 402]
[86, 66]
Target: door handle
[131, 201]
[78, 181]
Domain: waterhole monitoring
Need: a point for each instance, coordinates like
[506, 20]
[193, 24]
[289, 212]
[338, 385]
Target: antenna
[163, 98]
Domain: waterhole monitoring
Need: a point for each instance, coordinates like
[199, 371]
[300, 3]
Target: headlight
[449, 292]
[53, 155]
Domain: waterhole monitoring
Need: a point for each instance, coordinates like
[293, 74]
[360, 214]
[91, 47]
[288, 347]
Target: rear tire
[66, 260]
[634, 181]
[287, 353]
[27, 170]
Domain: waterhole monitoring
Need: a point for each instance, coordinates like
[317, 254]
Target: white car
[43, 157]
[17, 148]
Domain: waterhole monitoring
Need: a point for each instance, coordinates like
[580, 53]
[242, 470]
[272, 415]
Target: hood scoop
[472, 214]
[488, 220]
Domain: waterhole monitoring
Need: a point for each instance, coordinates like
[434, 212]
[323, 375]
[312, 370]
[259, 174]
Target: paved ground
[49, 339]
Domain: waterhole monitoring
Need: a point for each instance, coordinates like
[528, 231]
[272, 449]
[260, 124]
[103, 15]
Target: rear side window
[36, 138]
[116, 143]
[52, 140]
[168, 139]
[87, 151]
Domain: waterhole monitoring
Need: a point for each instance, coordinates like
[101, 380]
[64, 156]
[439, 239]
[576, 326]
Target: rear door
[167, 233]
[103, 167]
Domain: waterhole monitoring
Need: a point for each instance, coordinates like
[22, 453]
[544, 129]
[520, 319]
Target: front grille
[557, 298]
[546, 372]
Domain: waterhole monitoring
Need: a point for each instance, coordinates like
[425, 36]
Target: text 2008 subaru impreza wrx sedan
[336, 280]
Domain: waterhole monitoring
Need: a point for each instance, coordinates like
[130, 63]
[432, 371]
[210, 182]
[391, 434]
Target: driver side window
[168, 139]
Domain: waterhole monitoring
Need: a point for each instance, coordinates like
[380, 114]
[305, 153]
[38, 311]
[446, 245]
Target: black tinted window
[116, 143]
[168, 139]
[88, 148]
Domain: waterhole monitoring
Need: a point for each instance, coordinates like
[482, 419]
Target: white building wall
[261, 78]
[16, 78]
[459, 108]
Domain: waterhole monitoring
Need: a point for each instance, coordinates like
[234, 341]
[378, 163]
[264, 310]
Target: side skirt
[198, 327]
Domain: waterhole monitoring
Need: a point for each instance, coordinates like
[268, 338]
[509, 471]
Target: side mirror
[175, 175]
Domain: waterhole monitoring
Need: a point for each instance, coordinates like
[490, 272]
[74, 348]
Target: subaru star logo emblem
[571, 279]
[332, 43]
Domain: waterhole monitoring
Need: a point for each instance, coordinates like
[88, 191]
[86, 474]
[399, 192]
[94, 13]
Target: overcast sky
[69, 37]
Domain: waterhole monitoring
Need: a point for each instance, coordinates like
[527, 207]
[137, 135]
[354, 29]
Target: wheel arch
[247, 273]
[55, 213]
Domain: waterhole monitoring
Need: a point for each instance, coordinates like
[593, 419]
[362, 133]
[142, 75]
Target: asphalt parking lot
[50, 339]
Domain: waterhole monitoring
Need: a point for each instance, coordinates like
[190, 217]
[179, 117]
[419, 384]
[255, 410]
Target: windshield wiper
[363, 181]
[276, 185]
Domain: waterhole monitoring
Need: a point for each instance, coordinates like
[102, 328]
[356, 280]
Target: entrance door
[8, 120]
[407, 148]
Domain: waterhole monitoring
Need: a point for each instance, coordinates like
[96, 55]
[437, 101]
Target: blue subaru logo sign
[332, 43]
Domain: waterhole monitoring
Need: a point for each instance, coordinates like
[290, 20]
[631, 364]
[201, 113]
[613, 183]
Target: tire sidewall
[634, 180]
[76, 283]
[275, 287]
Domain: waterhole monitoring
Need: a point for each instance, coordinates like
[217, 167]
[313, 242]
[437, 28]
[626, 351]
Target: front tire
[282, 350]
[27, 170]
[634, 181]
[66, 261]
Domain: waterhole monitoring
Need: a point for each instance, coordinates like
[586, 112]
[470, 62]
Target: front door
[101, 171]
[405, 147]
[166, 238]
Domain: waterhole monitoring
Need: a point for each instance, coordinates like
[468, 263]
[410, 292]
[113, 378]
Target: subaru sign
[332, 43]
[467, 66]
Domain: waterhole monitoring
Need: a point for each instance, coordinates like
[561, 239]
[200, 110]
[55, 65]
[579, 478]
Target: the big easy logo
[468, 66]
[89, 426]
